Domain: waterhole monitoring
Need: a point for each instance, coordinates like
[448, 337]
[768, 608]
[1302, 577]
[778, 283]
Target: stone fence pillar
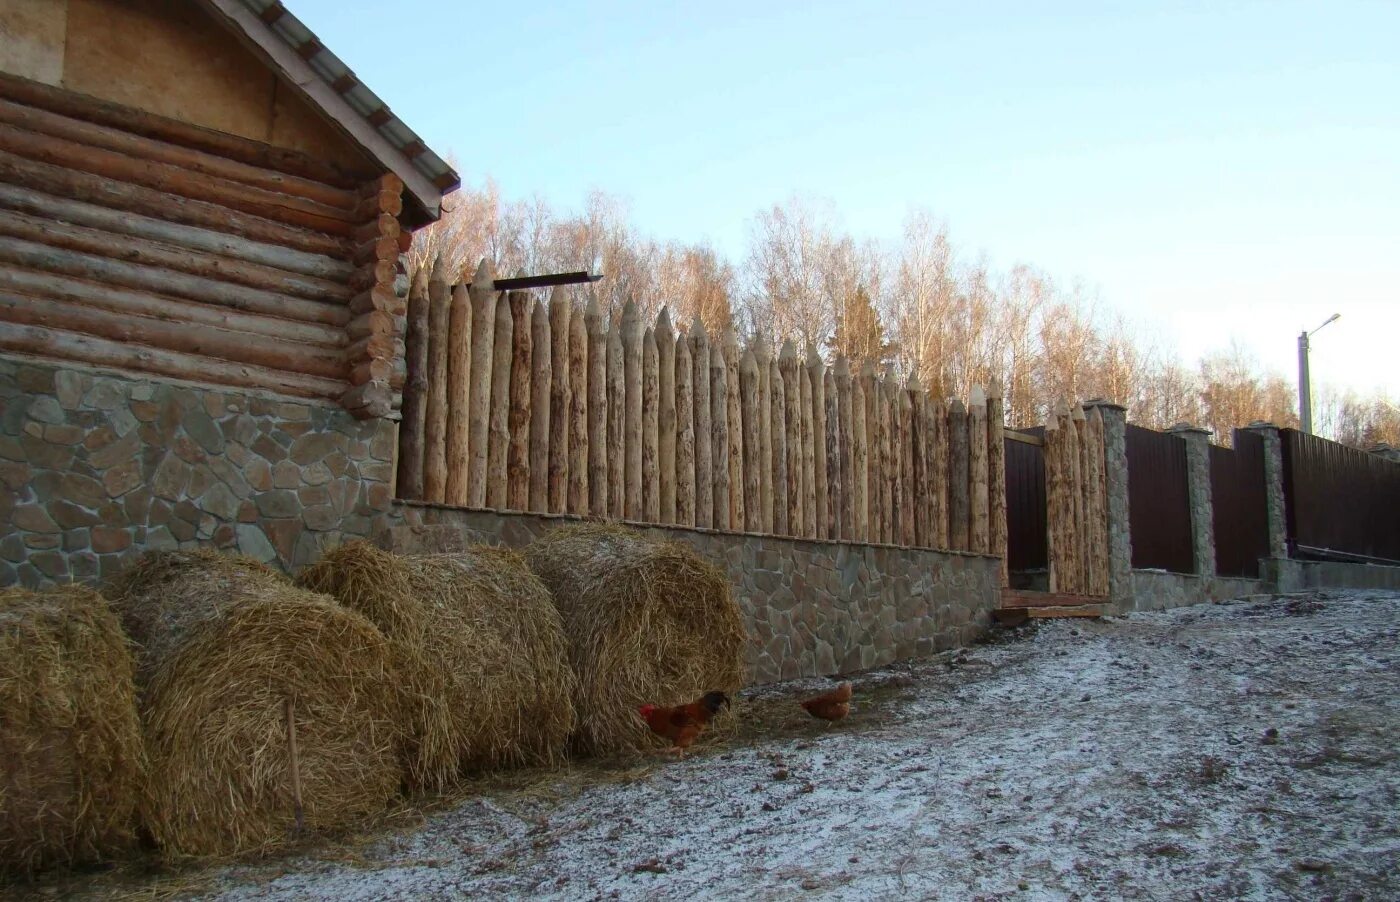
[1198, 491]
[1273, 487]
[1120, 545]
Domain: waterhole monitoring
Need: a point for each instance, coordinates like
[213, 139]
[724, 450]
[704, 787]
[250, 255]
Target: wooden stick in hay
[481, 649]
[578, 414]
[666, 415]
[651, 497]
[541, 375]
[502, 349]
[704, 439]
[647, 621]
[435, 428]
[632, 410]
[222, 638]
[749, 420]
[74, 760]
[719, 435]
[483, 300]
[294, 765]
[560, 321]
[778, 434]
[415, 392]
[685, 434]
[459, 378]
[597, 411]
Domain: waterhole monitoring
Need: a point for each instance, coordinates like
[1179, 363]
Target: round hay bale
[69, 737]
[236, 664]
[480, 646]
[648, 621]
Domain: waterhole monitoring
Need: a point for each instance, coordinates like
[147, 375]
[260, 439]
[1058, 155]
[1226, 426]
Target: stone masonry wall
[812, 608]
[96, 468]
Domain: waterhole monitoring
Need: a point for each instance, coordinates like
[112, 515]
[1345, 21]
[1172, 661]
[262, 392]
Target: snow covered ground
[1242, 750]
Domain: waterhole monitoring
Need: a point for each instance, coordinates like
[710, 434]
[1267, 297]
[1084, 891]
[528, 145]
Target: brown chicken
[830, 706]
[683, 724]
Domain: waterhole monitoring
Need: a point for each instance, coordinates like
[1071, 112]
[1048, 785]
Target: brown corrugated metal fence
[1025, 506]
[1342, 503]
[1240, 512]
[1159, 509]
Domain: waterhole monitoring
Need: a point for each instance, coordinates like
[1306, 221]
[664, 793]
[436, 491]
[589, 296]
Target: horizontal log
[136, 251]
[390, 202]
[380, 297]
[376, 322]
[42, 286]
[86, 186]
[281, 208]
[163, 281]
[377, 272]
[374, 347]
[317, 269]
[86, 132]
[376, 370]
[381, 226]
[54, 344]
[375, 250]
[372, 400]
[186, 337]
[149, 125]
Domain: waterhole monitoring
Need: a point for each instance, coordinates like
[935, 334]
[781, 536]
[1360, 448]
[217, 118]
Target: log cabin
[195, 193]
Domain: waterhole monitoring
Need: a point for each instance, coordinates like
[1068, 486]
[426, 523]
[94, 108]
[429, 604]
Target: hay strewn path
[1128, 759]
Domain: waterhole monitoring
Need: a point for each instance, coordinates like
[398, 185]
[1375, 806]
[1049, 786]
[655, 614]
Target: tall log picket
[597, 411]
[908, 531]
[979, 534]
[578, 414]
[860, 464]
[435, 422]
[735, 446]
[888, 473]
[816, 376]
[459, 378]
[617, 424]
[541, 379]
[959, 502]
[809, 453]
[845, 457]
[918, 441]
[685, 434]
[1098, 508]
[560, 322]
[651, 495]
[502, 347]
[996, 475]
[831, 435]
[750, 426]
[518, 459]
[939, 473]
[1059, 504]
[704, 439]
[763, 357]
[632, 410]
[483, 298]
[719, 435]
[792, 436]
[873, 478]
[415, 392]
[666, 415]
[777, 414]
[1079, 466]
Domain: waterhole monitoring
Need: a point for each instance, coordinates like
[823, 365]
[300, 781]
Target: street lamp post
[1304, 386]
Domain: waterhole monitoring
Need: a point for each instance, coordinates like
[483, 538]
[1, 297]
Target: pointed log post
[560, 310]
[578, 414]
[860, 464]
[483, 300]
[666, 415]
[980, 534]
[889, 475]
[816, 377]
[502, 347]
[1078, 462]
[1059, 503]
[939, 473]
[685, 433]
[763, 358]
[809, 453]
[632, 410]
[597, 411]
[845, 509]
[415, 392]
[704, 438]
[792, 435]
[926, 509]
[459, 362]
[868, 387]
[518, 459]
[1098, 508]
[749, 420]
[907, 528]
[831, 429]
[735, 447]
[617, 423]
[541, 379]
[918, 445]
[651, 430]
[996, 475]
[777, 427]
[959, 500]
[435, 424]
[719, 434]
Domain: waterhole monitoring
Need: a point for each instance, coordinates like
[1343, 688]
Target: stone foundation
[97, 468]
[812, 608]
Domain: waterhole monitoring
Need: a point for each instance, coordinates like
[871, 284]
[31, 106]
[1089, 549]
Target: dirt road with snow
[1241, 750]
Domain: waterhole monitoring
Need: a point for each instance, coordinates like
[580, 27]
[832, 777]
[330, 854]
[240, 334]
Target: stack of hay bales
[648, 622]
[481, 648]
[70, 746]
[255, 695]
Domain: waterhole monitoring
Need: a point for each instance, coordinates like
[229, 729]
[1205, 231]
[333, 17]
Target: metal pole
[1304, 389]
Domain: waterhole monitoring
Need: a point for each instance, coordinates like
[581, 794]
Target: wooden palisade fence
[513, 403]
[1076, 502]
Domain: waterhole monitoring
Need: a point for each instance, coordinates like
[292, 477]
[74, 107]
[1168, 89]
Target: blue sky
[1217, 170]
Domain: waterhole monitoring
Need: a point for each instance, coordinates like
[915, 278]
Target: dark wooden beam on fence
[520, 283]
